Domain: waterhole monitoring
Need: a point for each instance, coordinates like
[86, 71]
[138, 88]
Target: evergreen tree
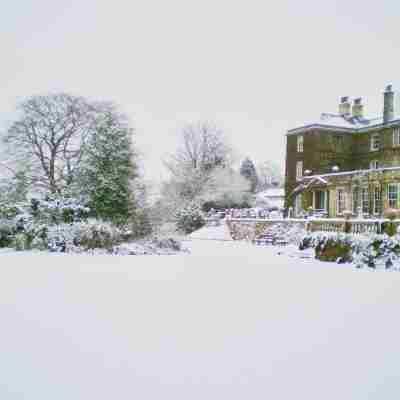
[108, 169]
[248, 171]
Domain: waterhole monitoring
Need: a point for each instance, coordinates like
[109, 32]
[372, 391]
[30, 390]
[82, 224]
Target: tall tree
[108, 169]
[248, 171]
[203, 150]
[49, 137]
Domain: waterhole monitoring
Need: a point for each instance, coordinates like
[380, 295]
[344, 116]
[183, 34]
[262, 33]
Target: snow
[228, 321]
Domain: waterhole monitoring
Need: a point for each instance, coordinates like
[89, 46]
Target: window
[299, 169]
[375, 142]
[377, 200]
[374, 164]
[355, 201]
[364, 201]
[340, 201]
[300, 143]
[396, 137]
[298, 204]
[338, 141]
[319, 199]
[392, 195]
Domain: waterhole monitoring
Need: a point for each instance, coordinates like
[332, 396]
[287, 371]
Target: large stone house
[345, 162]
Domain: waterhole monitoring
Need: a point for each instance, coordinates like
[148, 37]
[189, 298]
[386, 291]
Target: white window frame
[377, 200]
[356, 199]
[324, 205]
[374, 164]
[393, 195]
[396, 137]
[298, 204]
[299, 170]
[375, 142]
[365, 200]
[300, 143]
[340, 201]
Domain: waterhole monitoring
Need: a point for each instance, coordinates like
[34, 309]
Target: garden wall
[249, 229]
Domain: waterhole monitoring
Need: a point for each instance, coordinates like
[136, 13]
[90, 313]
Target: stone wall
[249, 229]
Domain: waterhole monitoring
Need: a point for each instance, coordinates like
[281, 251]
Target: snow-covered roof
[352, 172]
[343, 123]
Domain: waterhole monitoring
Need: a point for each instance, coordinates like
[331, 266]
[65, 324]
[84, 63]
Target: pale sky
[256, 68]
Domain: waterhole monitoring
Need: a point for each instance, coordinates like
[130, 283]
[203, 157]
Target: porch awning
[315, 180]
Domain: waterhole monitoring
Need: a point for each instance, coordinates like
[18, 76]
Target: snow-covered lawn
[229, 321]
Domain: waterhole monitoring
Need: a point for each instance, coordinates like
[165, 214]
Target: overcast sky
[256, 68]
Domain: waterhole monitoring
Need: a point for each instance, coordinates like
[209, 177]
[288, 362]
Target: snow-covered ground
[229, 321]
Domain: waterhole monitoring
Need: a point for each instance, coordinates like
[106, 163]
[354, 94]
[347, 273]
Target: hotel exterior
[345, 162]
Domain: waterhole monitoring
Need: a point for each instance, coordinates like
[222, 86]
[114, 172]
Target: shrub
[329, 246]
[189, 218]
[88, 235]
[58, 209]
[371, 251]
[6, 233]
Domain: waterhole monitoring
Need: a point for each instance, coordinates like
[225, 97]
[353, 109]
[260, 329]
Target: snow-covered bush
[58, 209]
[8, 210]
[362, 250]
[6, 233]
[189, 218]
[89, 234]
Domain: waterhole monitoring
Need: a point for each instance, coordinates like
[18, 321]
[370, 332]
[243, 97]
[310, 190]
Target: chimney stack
[358, 108]
[344, 107]
[388, 104]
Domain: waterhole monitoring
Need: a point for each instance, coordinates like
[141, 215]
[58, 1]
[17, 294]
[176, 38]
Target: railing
[354, 226]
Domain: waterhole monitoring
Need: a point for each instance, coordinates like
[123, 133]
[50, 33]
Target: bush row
[371, 250]
[62, 237]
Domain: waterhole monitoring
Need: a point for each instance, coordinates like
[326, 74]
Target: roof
[342, 123]
[352, 172]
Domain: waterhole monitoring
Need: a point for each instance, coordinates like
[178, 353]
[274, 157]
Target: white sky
[255, 67]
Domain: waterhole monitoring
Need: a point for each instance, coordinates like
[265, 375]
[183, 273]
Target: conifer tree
[108, 169]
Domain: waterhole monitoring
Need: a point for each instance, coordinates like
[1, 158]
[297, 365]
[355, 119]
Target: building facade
[345, 162]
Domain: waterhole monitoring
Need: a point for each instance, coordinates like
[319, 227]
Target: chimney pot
[358, 108]
[388, 104]
[344, 106]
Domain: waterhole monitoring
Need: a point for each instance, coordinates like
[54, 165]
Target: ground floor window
[377, 200]
[364, 201]
[298, 204]
[340, 201]
[392, 195]
[320, 200]
[355, 200]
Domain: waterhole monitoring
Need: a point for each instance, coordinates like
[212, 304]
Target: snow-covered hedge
[90, 234]
[57, 209]
[189, 218]
[362, 250]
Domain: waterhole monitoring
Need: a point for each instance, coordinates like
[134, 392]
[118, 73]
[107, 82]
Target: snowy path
[230, 321]
[212, 233]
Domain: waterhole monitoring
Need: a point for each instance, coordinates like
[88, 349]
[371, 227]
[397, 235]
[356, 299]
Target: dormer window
[396, 137]
[300, 142]
[375, 142]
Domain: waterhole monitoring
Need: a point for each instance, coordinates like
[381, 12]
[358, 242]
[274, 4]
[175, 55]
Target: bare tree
[203, 147]
[49, 136]
[269, 174]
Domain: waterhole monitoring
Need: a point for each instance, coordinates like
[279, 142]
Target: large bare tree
[201, 168]
[49, 136]
[203, 147]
